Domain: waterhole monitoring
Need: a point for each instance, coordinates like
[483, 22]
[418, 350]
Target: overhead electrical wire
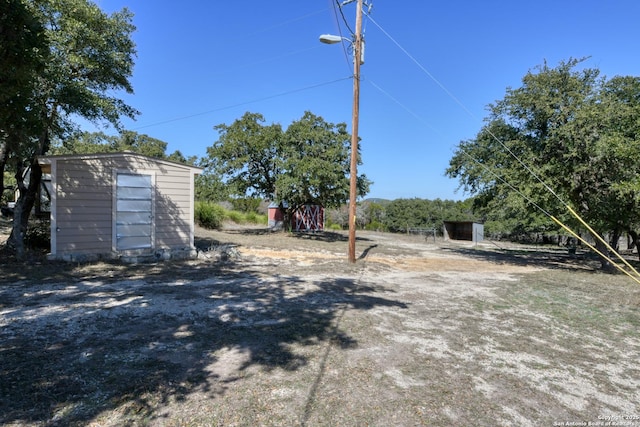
[346, 23]
[162, 122]
[282, 24]
[264, 98]
[336, 6]
[252, 65]
[636, 278]
[527, 168]
[401, 105]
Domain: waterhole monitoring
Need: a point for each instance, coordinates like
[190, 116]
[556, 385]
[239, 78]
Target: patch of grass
[211, 216]
[245, 217]
[235, 216]
[589, 302]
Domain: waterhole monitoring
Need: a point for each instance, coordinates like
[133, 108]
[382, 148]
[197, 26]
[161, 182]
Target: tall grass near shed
[212, 216]
[209, 215]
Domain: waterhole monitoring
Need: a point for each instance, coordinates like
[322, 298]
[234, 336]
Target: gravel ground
[278, 329]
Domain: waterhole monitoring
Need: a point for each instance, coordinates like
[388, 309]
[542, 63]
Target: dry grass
[283, 331]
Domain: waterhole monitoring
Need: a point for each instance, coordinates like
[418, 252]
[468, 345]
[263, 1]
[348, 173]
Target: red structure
[276, 217]
[307, 218]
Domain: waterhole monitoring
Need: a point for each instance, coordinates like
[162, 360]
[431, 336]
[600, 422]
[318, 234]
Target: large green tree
[403, 214]
[22, 58]
[567, 136]
[306, 163]
[246, 156]
[315, 160]
[89, 58]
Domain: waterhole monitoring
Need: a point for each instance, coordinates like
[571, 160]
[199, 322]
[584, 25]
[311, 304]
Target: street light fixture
[357, 53]
[331, 39]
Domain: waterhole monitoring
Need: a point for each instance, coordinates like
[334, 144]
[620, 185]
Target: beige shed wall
[82, 209]
[174, 204]
[83, 206]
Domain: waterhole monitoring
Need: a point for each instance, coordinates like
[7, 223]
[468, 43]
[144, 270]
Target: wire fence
[428, 233]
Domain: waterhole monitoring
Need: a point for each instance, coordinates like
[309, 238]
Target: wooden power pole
[353, 178]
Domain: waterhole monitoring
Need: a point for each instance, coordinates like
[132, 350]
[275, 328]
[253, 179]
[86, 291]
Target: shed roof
[463, 222]
[276, 205]
[45, 161]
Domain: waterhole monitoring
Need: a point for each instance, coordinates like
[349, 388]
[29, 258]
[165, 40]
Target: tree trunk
[615, 239]
[286, 217]
[634, 241]
[3, 161]
[29, 192]
[605, 265]
[25, 203]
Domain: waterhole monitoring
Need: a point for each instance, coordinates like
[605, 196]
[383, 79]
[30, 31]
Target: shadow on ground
[133, 339]
[543, 257]
[319, 236]
[326, 236]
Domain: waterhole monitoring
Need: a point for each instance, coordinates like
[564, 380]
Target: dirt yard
[272, 329]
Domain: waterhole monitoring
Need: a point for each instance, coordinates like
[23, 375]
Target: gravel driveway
[278, 329]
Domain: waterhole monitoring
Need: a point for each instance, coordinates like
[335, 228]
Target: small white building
[120, 205]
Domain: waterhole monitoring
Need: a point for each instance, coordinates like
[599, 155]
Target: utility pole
[353, 178]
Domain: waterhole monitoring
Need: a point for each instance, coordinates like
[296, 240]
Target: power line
[253, 65]
[346, 23]
[457, 101]
[336, 5]
[264, 61]
[415, 61]
[403, 107]
[277, 95]
[282, 24]
[636, 278]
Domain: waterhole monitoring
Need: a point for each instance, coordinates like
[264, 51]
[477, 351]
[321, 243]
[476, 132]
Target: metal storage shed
[463, 230]
[120, 205]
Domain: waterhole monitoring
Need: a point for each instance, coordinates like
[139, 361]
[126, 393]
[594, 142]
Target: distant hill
[378, 201]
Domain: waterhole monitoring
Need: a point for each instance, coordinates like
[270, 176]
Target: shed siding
[83, 207]
[84, 192]
[173, 224]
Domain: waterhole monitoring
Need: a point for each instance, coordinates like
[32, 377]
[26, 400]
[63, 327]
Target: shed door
[134, 211]
[309, 218]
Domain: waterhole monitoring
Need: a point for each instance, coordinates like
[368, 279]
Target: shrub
[254, 218]
[209, 215]
[38, 235]
[246, 204]
[375, 226]
[235, 216]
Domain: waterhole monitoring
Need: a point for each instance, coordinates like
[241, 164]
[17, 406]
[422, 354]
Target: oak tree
[89, 58]
[566, 137]
[308, 163]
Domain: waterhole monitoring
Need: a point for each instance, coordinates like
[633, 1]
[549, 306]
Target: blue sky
[431, 69]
